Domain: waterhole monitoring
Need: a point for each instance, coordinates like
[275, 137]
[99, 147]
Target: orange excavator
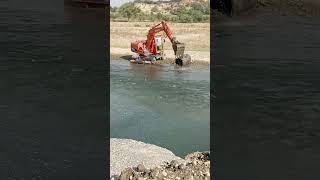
[150, 50]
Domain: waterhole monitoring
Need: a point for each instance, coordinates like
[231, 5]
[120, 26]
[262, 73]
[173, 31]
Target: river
[53, 110]
[267, 105]
[161, 105]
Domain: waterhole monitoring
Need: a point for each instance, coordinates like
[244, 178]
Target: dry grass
[196, 36]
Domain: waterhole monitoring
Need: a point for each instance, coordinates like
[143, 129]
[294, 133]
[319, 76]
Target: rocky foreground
[196, 166]
[134, 160]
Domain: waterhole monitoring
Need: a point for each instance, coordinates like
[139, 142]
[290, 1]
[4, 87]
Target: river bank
[197, 57]
[141, 161]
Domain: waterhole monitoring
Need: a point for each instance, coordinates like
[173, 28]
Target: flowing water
[161, 105]
[52, 92]
[267, 105]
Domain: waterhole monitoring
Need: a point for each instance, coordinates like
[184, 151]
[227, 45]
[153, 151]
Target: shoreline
[197, 57]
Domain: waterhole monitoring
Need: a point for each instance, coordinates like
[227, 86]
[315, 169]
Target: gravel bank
[126, 153]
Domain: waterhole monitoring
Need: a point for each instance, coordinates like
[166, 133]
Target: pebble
[174, 163]
[141, 168]
[147, 171]
[207, 163]
[190, 177]
[164, 173]
[182, 166]
[154, 173]
[194, 162]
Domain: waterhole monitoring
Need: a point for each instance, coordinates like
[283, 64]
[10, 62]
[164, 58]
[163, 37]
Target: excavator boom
[163, 26]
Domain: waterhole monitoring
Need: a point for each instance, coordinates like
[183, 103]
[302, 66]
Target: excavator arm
[178, 47]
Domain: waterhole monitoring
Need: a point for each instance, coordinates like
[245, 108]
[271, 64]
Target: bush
[185, 18]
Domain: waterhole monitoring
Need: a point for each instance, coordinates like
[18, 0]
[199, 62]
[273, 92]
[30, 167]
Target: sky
[117, 3]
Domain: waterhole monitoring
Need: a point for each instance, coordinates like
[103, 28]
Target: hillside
[184, 11]
[164, 6]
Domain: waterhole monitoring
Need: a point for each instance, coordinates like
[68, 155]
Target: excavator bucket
[178, 49]
[181, 58]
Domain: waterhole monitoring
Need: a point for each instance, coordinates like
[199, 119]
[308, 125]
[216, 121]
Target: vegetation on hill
[195, 12]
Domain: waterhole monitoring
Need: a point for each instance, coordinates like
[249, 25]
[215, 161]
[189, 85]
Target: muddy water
[161, 105]
[267, 105]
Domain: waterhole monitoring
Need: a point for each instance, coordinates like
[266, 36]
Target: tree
[155, 9]
[113, 9]
[197, 16]
[128, 10]
[159, 16]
